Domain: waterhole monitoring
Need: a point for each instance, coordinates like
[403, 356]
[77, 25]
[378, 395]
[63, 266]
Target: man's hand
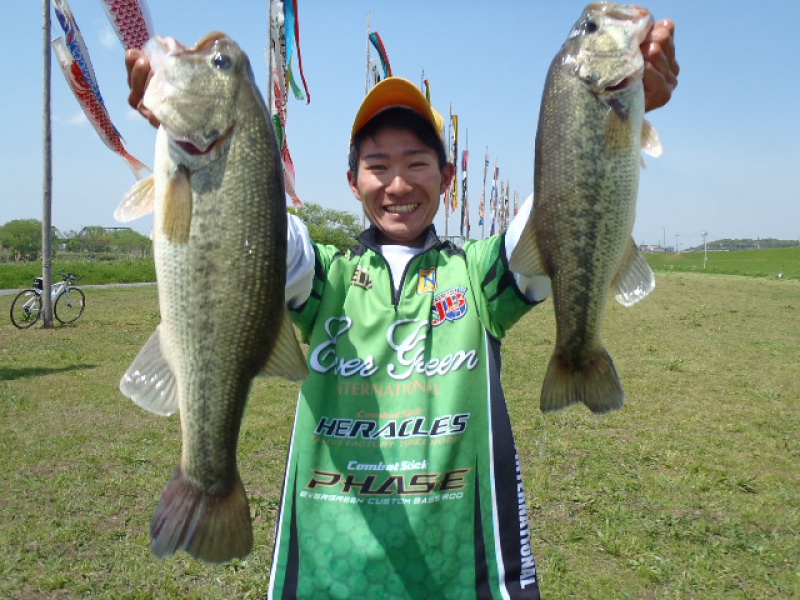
[139, 73]
[660, 67]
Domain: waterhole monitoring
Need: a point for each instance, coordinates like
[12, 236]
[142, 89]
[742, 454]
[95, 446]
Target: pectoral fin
[138, 202]
[287, 359]
[651, 142]
[635, 278]
[525, 258]
[149, 381]
[177, 219]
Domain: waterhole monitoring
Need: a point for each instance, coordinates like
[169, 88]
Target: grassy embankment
[93, 272]
[768, 263]
[692, 490]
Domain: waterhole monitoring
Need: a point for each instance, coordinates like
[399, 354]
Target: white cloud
[108, 39]
[77, 118]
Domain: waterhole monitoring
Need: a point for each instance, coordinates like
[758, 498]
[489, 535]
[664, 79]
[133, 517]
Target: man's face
[399, 183]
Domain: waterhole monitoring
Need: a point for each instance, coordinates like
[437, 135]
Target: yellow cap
[396, 92]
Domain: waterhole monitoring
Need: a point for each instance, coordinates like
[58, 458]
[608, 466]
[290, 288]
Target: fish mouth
[158, 48]
[202, 145]
[190, 148]
[643, 22]
[632, 12]
[625, 83]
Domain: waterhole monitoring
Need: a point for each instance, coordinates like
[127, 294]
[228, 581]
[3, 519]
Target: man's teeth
[402, 208]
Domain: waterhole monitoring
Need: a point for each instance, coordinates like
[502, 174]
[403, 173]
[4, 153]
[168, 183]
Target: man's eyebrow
[376, 156]
[384, 155]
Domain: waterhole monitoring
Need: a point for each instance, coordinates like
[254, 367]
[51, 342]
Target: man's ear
[447, 176]
[353, 181]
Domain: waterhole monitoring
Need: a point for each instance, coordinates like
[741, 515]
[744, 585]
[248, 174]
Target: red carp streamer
[131, 21]
[92, 106]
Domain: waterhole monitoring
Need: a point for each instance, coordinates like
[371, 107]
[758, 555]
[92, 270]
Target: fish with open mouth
[220, 251]
[589, 139]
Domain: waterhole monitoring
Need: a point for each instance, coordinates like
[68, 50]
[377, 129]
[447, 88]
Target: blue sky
[731, 135]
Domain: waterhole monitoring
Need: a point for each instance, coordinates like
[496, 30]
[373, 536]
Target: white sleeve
[299, 262]
[535, 288]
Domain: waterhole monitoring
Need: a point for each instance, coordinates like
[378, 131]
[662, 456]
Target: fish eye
[589, 26]
[221, 61]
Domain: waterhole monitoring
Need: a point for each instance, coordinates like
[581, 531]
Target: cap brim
[396, 92]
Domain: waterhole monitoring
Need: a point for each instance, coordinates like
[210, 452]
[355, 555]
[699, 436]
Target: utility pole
[705, 249]
[366, 78]
[47, 183]
[366, 91]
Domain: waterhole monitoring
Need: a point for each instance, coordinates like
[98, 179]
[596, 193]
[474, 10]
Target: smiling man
[398, 167]
[403, 480]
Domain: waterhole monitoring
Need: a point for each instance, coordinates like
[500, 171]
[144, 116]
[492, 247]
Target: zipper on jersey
[397, 292]
[393, 291]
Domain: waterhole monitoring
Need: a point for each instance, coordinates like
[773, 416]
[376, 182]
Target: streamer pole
[47, 181]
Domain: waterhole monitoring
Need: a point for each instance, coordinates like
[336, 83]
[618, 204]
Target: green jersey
[402, 479]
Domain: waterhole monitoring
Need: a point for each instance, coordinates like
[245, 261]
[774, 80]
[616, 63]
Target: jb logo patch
[449, 306]
[427, 281]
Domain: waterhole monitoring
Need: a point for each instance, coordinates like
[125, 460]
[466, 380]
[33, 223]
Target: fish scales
[203, 268]
[586, 177]
[220, 251]
[588, 197]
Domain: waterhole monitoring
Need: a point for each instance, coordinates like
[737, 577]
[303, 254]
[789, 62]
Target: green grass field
[768, 263]
[93, 272]
[691, 491]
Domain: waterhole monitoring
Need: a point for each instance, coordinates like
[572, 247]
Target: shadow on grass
[29, 372]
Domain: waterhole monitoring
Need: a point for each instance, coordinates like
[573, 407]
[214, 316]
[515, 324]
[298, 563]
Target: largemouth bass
[219, 241]
[586, 177]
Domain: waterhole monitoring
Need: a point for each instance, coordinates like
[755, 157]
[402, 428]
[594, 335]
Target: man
[403, 479]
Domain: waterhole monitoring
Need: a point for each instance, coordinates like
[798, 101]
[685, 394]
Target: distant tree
[91, 239]
[328, 226]
[103, 240]
[132, 243]
[22, 238]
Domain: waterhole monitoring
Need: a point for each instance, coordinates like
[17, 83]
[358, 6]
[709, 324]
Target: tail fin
[597, 386]
[214, 528]
[137, 166]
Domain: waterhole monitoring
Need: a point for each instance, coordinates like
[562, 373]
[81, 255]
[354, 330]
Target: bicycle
[68, 302]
